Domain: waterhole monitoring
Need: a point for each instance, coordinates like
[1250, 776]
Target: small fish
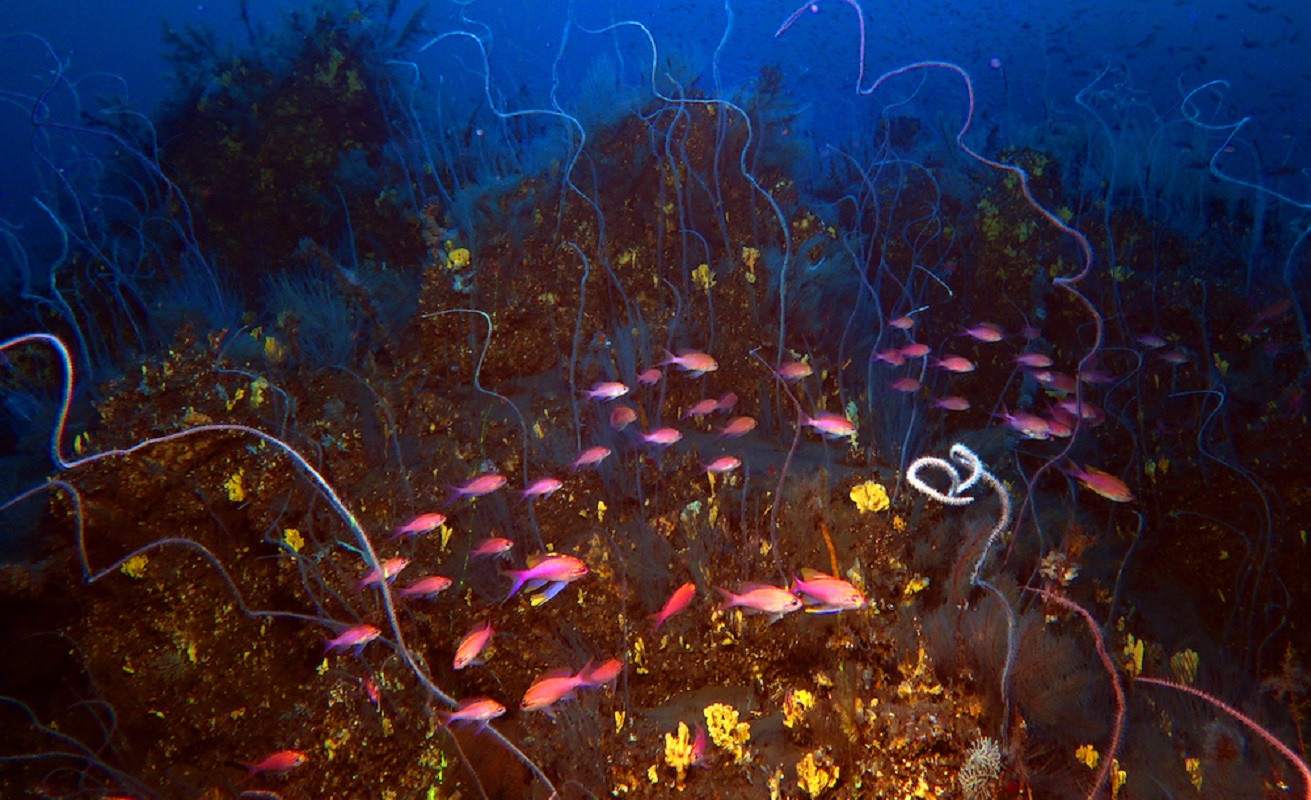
[893, 357]
[492, 546]
[793, 371]
[424, 523]
[954, 363]
[702, 409]
[984, 332]
[662, 437]
[693, 362]
[650, 377]
[737, 426]
[355, 636]
[761, 598]
[1029, 425]
[551, 688]
[952, 403]
[1151, 341]
[722, 465]
[1102, 483]
[914, 350]
[1176, 357]
[1077, 408]
[474, 709]
[901, 323]
[677, 602]
[590, 457]
[551, 568]
[542, 487]
[480, 486]
[602, 673]
[905, 385]
[727, 401]
[606, 390]
[1055, 381]
[428, 587]
[825, 594]
[473, 644]
[386, 571]
[832, 426]
[279, 763]
[1035, 360]
[621, 416]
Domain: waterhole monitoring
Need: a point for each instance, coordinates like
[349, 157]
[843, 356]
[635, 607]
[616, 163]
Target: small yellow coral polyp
[135, 567]
[703, 277]
[678, 752]
[726, 732]
[814, 778]
[795, 706]
[459, 258]
[870, 496]
[236, 492]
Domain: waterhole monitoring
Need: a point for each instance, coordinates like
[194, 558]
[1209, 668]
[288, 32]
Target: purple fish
[551, 568]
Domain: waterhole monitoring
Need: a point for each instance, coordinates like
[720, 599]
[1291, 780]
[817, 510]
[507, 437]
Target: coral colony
[379, 429]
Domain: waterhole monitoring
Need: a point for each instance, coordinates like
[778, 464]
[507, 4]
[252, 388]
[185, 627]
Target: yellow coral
[678, 752]
[726, 732]
[816, 773]
[459, 258]
[795, 706]
[293, 539]
[870, 496]
[135, 567]
[703, 277]
[236, 492]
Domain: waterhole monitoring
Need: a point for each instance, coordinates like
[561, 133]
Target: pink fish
[761, 598]
[590, 457]
[279, 763]
[954, 363]
[621, 416]
[650, 377]
[386, 571]
[722, 465]
[737, 426]
[552, 687]
[952, 403]
[914, 350]
[1102, 483]
[1151, 341]
[662, 437]
[1055, 381]
[702, 409]
[727, 401]
[473, 644]
[905, 385]
[793, 371]
[475, 709]
[480, 486]
[553, 568]
[1082, 408]
[355, 636]
[1031, 426]
[602, 673]
[984, 332]
[832, 426]
[893, 357]
[1035, 360]
[493, 546]
[428, 587]
[542, 487]
[677, 602]
[901, 323]
[1176, 357]
[606, 390]
[824, 594]
[693, 362]
[424, 523]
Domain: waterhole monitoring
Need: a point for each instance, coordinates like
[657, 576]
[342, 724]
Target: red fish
[553, 568]
[355, 636]
[622, 416]
[761, 598]
[591, 456]
[914, 350]
[677, 602]
[905, 385]
[474, 709]
[952, 403]
[727, 401]
[473, 644]
[424, 523]
[478, 487]
[1102, 483]
[984, 332]
[701, 409]
[602, 673]
[386, 571]
[428, 587]
[893, 357]
[650, 377]
[824, 594]
[901, 323]
[279, 763]
[551, 688]
[954, 363]
[693, 362]
[793, 371]
[493, 546]
[1035, 360]
[606, 390]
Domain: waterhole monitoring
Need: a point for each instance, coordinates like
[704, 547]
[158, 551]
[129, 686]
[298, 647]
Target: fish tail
[730, 599]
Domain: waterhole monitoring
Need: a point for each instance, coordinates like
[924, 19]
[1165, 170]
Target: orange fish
[278, 763]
